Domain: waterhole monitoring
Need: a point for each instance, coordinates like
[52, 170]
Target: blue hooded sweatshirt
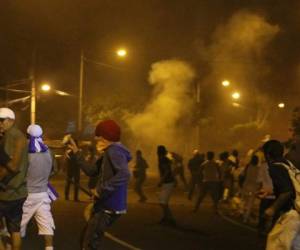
[112, 170]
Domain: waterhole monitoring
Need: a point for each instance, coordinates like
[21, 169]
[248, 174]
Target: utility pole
[80, 91]
[33, 89]
[198, 106]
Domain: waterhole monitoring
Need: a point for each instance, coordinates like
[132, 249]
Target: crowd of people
[264, 184]
[26, 163]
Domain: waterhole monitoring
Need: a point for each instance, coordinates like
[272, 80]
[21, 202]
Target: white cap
[7, 113]
[34, 130]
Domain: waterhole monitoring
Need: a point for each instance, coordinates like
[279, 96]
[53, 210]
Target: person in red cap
[110, 194]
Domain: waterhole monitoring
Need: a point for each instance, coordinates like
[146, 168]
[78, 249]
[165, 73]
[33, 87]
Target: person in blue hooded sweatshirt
[110, 194]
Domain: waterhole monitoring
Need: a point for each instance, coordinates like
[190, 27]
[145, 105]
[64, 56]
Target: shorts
[166, 191]
[11, 211]
[38, 205]
[286, 232]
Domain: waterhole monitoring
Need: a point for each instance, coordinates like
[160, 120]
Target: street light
[45, 87]
[120, 53]
[32, 95]
[226, 83]
[236, 95]
[281, 105]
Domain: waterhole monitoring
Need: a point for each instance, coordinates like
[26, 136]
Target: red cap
[109, 130]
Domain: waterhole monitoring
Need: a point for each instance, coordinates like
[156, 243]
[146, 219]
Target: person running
[167, 184]
[194, 166]
[226, 170]
[110, 194]
[250, 186]
[211, 175]
[38, 202]
[13, 197]
[139, 173]
[285, 232]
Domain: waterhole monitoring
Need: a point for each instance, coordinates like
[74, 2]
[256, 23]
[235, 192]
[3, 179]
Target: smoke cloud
[161, 120]
[239, 52]
[239, 47]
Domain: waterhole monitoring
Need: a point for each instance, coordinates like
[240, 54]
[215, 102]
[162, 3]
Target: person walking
[167, 184]
[38, 202]
[194, 166]
[139, 174]
[211, 175]
[14, 195]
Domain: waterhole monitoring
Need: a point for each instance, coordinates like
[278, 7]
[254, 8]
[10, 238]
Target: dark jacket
[165, 170]
[195, 163]
[113, 172]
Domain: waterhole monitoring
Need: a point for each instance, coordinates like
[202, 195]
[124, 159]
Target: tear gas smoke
[238, 52]
[159, 123]
[239, 47]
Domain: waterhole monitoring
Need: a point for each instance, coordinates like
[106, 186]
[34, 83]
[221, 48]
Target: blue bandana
[36, 145]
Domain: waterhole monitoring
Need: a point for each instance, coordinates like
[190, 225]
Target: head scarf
[36, 144]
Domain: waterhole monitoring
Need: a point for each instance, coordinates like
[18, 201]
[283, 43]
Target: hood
[121, 148]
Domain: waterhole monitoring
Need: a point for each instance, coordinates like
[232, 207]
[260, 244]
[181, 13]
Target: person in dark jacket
[110, 194]
[73, 173]
[167, 184]
[194, 167]
[139, 173]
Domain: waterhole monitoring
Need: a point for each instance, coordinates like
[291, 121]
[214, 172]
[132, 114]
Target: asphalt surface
[140, 228]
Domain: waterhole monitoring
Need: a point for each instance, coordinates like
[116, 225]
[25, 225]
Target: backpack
[294, 174]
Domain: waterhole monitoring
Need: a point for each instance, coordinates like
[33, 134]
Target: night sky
[151, 31]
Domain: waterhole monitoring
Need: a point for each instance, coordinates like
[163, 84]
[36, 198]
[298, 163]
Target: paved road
[140, 228]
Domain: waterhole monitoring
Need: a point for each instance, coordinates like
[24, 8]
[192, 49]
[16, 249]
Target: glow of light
[236, 95]
[225, 83]
[235, 104]
[121, 52]
[45, 87]
[281, 105]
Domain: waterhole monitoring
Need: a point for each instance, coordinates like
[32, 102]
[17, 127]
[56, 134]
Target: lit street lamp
[45, 87]
[236, 95]
[226, 83]
[32, 95]
[120, 53]
[281, 105]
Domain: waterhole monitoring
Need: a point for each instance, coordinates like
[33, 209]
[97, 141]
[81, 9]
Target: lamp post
[236, 95]
[33, 102]
[80, 91]
[120, 53]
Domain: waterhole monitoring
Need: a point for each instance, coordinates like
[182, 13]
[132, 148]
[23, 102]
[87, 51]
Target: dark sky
[151, 30]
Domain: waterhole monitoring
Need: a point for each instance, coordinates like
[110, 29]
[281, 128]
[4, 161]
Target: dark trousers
[211, 187]
[263, 224]
[138, 188]
[72, 178]
[180, 173]
[195, 182]
[95, 228]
